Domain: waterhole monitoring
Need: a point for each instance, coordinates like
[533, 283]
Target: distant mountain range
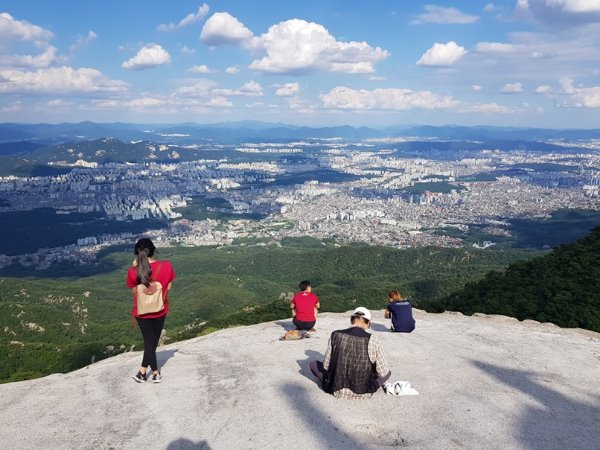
[23, 138]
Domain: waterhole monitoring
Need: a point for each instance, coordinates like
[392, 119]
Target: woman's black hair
[144, 249]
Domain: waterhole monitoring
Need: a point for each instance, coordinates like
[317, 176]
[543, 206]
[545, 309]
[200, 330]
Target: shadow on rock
[329, 434]
[163, 356]
[305, 364]
[286, 324]
[186, 444]
[559, 421]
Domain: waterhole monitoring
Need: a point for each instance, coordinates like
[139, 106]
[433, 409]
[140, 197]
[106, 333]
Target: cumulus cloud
[560, 12]
[287, 90]
[187, 51]
[512, 88]
[543, 89]
[219, 102]
[44, 59]
[440, 14]
[494, 47]
[12, 29]
[476, 87]
[199, 69]
[222, 28]
[384, 99]
[232, 70]
[151, 55]
[249, 89]
[580, 97]
[200, 88]
[442, 54]
[59, 79]
[296, 46]
[187, 20]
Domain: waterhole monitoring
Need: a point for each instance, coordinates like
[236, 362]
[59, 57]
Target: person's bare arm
[293, 307]
[386, 314]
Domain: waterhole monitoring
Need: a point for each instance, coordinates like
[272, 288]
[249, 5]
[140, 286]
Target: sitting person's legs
[303, 325]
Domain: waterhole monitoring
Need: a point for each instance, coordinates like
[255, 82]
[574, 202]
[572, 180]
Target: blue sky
[316, 62]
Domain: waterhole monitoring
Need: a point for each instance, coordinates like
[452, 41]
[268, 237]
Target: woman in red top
[144, 270]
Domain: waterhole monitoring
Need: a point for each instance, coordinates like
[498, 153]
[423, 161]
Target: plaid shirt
[376, 356]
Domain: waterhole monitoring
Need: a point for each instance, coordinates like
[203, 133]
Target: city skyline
[509, 63]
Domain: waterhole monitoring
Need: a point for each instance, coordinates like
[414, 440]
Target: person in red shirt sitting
[304, 307]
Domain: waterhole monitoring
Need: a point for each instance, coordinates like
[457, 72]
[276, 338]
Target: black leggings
[151, 329]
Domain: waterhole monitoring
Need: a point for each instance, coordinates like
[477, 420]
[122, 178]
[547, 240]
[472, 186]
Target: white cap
[362, 311]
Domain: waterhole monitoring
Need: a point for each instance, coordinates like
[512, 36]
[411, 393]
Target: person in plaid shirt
[354, 366]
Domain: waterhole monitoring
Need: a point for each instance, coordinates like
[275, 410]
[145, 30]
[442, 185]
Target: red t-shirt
[305, 302]
[165, 276]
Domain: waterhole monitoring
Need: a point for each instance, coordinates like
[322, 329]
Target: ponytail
[144, 249]
[142, 268]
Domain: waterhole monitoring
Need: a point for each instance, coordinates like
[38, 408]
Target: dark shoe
[156, 378]
[139, 377]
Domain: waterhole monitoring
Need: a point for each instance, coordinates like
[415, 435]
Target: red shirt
[165, 276]
[305, 302]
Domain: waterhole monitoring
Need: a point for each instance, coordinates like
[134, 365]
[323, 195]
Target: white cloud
[187, 20]
[42, 60]
[82, 41]
[287, 90]
[187, 51]
[232, 70]
[491, 108]
[297, 46]
[440, 14]
[219, 102]
[12, 29]
[199, 69]
[151, 55]
[200, 88]
[512, 88]
[580, 97]
[261, 105]
[249, 89]
[561, 12]
[491, 7]
[494, 47]
[222, 28]
[543, 89]
[384, 99]
[476, 87]
[59, 79]
[442, 54]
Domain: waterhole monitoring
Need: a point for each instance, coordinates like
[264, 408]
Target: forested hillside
[562, 287]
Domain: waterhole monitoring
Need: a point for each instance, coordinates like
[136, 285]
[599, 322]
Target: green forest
[562, 287]
[57, 323]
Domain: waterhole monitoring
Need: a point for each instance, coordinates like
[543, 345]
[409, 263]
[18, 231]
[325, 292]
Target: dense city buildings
[366, 191]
